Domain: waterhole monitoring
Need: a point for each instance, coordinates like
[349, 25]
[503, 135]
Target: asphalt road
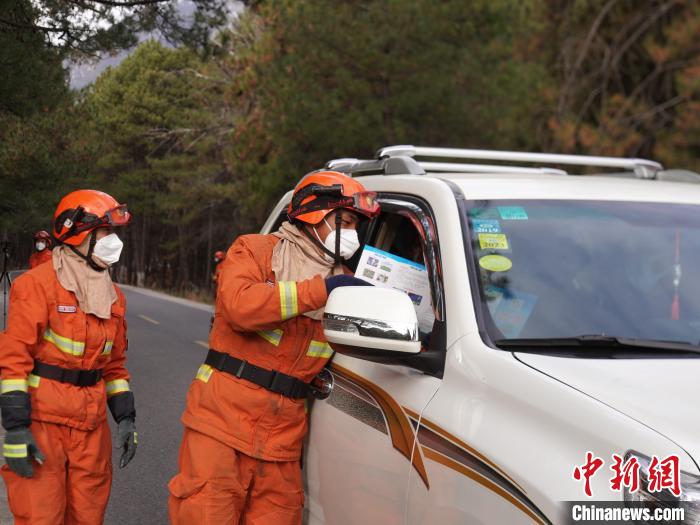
[167, 343]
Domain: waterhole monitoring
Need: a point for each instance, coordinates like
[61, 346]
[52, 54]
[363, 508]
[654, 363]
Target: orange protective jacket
[259, 320]
[46, 323]
[37, 258]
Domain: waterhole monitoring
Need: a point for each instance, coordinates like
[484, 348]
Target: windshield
[556, 269]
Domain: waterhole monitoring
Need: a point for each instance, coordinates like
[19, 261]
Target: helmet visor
[118, 216]
[366, 203]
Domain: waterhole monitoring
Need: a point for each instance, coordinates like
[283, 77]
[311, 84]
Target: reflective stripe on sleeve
[8, 385]
[14, 451]
[271, 336]
[64, 344]
[319, 349]
[117, 387]
[108, 347]
[204, 373]
[33, 380]
[288, 299]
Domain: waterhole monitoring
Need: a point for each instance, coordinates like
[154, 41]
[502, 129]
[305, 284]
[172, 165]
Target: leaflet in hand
[391, 271]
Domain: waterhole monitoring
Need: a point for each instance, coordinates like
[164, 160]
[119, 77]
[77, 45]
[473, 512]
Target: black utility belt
[271, 380]
[72, 376]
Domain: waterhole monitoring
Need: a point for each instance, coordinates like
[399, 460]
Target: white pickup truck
[565, 321]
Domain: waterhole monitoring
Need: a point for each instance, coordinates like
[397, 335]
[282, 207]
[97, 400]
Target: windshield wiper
[601, 342]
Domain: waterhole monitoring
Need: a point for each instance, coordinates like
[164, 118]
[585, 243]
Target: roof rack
[394, 165]
[486, 168]
[642, 168]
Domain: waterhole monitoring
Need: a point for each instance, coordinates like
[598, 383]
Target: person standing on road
[62, 362]
[219, 256]
[245, 417]
[43, 245]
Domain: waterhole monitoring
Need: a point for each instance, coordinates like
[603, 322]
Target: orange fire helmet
[83, 211]
[42, 234]
[321, 192]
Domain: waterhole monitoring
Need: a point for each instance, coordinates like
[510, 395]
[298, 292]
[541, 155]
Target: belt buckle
[241, 367]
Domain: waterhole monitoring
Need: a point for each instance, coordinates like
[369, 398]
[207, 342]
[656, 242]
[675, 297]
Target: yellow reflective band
[271, 336]
[14, 451]
[136, 438]
[33, 381]
[204, 373]
[288, 299]
[8, 385]
[64, 344]
[108, 348]
[117, 387]
[319, 349]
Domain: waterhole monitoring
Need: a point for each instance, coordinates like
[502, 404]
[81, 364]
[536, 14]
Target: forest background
[202, 130]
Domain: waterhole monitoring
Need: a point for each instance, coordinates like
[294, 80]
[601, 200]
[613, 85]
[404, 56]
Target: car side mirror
[364, 318]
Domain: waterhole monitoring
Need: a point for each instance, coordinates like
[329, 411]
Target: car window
[397, 236]
[552, 269]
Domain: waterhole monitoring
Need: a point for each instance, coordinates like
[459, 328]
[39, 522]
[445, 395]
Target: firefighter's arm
[120, 399]
[26, 323]
[250, 303]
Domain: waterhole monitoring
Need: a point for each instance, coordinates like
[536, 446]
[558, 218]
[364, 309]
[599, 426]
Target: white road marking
[146, 318]
[202, 343]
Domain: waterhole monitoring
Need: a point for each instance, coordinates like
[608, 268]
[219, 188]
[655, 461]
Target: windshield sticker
[512, 213]
[486, 226]
[493, 241]
[483, 213]
[510, 309]
[495, 263]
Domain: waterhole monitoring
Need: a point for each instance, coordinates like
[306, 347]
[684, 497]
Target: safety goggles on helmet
[79, 220]
[331, 197]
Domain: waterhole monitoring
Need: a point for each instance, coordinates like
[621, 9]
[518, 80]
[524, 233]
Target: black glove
[336, 281]
[122, 406]
[124, 413]
[19, 449]
[16, 409]
[127, 439]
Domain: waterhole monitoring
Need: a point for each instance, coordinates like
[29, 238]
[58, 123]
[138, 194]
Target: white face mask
[108, 248]
[349, 242]
[40, 246]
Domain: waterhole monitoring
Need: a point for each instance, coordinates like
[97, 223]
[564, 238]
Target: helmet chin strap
[88, 258]
[336, 255]
[337, 259]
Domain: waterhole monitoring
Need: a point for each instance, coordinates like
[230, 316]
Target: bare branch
[571, 77]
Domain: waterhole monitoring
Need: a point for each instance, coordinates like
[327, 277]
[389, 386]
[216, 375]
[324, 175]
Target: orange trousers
[218, 485]
[72, 486]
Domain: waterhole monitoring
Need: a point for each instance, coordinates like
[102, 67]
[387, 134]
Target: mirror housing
[364, 318]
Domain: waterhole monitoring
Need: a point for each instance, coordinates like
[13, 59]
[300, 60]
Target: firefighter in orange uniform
[43, 245]
[62, 362]
[245, 416]
[219, 256]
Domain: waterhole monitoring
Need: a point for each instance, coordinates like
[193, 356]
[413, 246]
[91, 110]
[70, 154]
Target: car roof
[476, 186]
[482, 186]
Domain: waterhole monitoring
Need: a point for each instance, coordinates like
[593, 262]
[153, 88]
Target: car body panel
[659, 393]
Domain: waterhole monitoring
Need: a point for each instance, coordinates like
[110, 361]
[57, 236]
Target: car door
[360, 450]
